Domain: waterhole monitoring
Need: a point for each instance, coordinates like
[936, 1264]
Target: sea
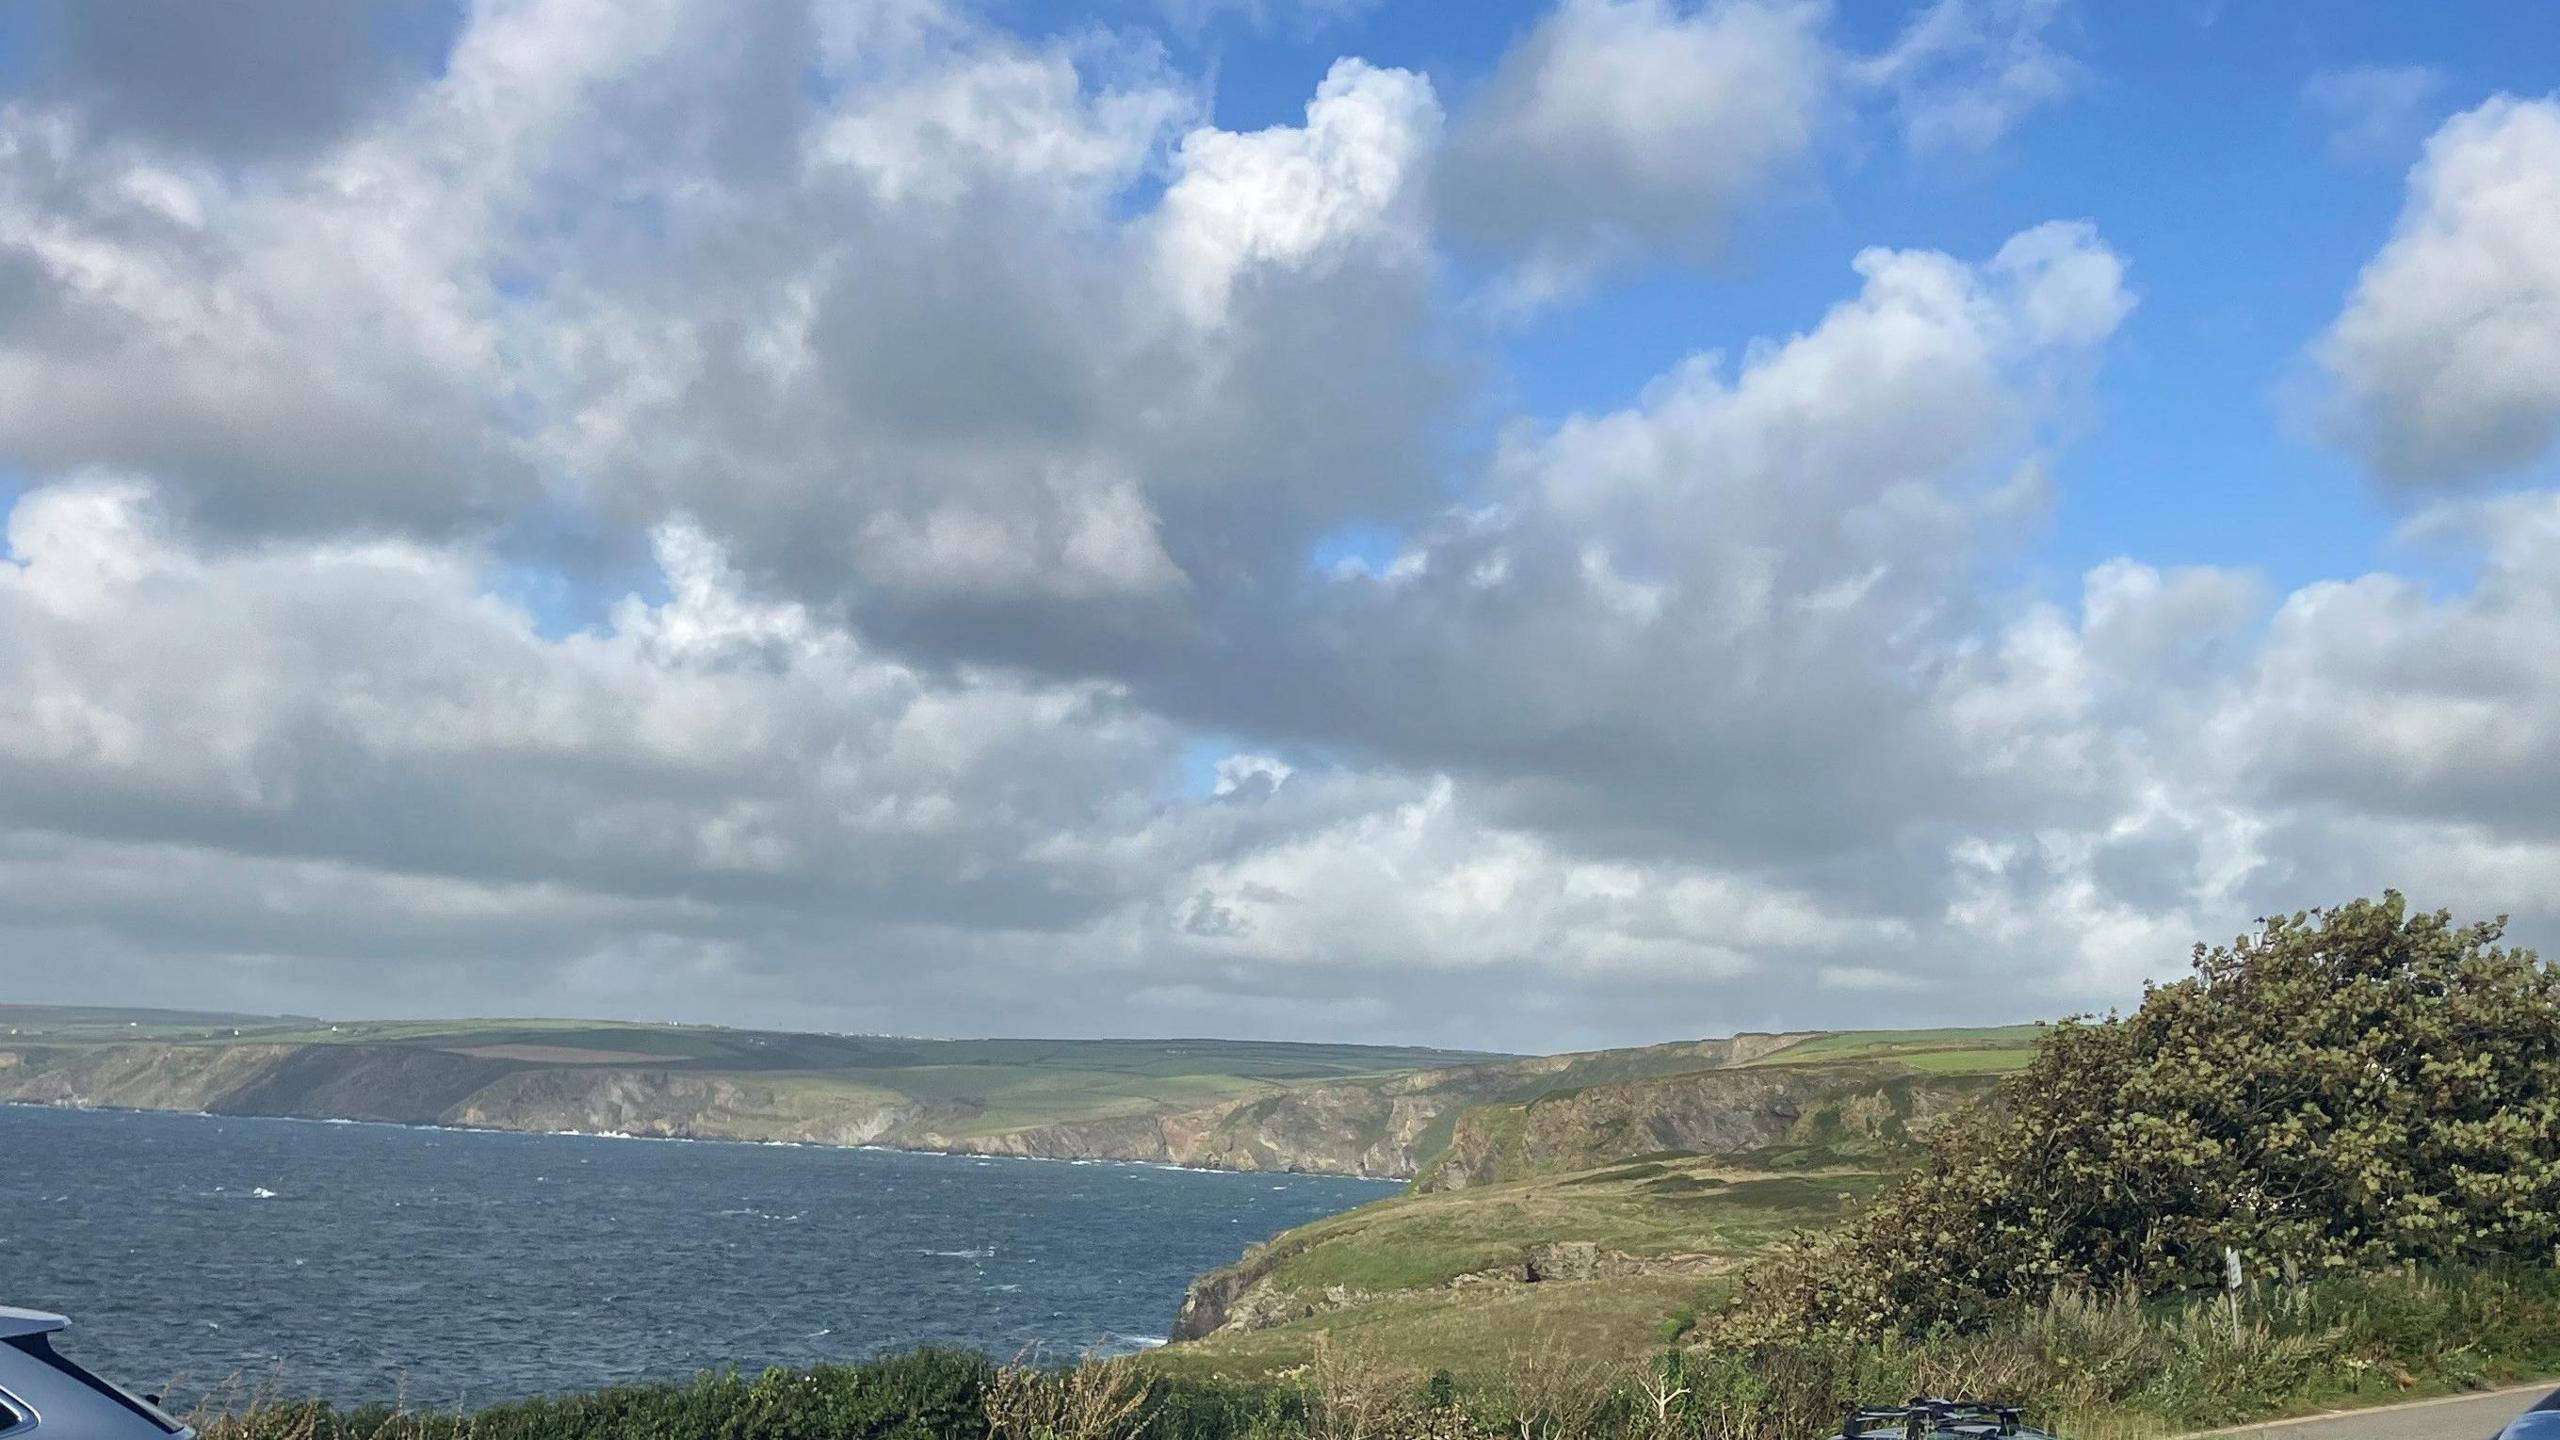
[441, 1268]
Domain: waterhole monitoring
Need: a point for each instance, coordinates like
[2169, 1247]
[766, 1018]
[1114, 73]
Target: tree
[2347, 1088]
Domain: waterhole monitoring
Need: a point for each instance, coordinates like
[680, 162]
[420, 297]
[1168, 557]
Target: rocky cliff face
[680, 1105]
[1386, 1126]
[1236, 1297]
[138, 1077]
[395, 1084]
[1374, 1128]
[412, 1085]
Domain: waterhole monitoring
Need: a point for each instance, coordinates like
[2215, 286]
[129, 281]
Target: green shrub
[2350, 1088]
[924, 1395]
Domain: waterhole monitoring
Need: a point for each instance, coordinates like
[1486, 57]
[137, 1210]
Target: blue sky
[2193, 135]
[2191, 140]
[785, 512]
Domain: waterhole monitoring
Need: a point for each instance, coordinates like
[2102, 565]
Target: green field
[1669, 1205]
[1436, 1281]
[1977, 1050]
[88, 1023]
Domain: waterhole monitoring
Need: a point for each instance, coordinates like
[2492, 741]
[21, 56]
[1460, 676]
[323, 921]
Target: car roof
[15, 1322]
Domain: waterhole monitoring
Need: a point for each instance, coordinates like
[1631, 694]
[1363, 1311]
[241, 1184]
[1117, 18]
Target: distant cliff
[1387, 1126]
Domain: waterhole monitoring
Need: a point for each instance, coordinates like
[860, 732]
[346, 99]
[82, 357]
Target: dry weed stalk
[1097, 1400]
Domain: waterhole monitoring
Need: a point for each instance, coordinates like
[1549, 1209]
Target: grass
[1976, 1050]
[2117, 1368]
[89, 1024]
[1390, 1272]
[1695, 1206]
[727, 1049]
[1004, 1098]
[2087, 1367]
[1475, 1335]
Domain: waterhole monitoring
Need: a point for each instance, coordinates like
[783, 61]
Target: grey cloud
[240, 80]
[1712, 617]
[369, 708]
[1626, 131]
[1618, 129]
[184, 325]
[2376, 693]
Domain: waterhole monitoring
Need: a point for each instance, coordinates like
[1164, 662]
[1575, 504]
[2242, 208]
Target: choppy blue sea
[372, 1262]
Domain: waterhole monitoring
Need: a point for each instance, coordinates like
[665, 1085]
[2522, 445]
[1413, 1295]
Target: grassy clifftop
[1596, 1219]
[1602, 1264]
[1254, 1105]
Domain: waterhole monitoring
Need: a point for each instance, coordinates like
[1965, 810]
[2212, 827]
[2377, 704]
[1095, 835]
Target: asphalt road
[2467, 1417]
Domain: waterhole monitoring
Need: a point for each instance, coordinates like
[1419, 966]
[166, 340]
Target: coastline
[1387, 1184]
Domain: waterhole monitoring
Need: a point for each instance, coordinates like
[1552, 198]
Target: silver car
[2542, 1422]
[45, 1397]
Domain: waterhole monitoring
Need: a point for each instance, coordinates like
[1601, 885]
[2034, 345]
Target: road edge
[2253, 1427]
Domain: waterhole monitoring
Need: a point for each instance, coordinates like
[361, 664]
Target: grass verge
[2089, 1368]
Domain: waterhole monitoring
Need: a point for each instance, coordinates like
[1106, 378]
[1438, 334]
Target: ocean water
[373, 1262]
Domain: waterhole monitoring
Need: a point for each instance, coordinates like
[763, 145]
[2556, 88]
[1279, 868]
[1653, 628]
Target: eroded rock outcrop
[677, 1104]
[138, 1077]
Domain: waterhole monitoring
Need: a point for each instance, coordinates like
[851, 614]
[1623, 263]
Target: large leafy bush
[2347, 1088]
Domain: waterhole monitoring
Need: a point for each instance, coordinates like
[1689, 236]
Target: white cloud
[1965, 73]
[1622, 131]
[1299, 196]
[2387, 697]
[1623, 127]
[1300, 17]
[2373, 111]
[261, 697]
[2447, 356]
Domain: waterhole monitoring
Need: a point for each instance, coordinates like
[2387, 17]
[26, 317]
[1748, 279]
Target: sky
[1506, 525]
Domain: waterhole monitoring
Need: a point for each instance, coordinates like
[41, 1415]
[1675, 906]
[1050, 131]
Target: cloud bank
[817, 518]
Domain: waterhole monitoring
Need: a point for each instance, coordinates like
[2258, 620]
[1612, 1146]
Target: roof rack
[15, 1322]
[1929, 1415]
